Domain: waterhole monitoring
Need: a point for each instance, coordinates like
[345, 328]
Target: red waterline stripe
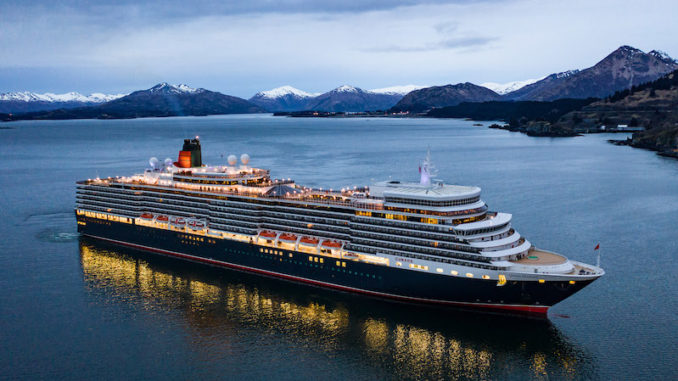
[538, 310]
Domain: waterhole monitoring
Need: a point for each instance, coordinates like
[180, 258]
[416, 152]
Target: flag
[597, 247]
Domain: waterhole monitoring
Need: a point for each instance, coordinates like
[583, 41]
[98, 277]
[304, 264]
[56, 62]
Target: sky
[242, 47]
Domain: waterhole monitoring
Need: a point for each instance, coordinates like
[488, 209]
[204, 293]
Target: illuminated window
[343, 264]
[418, 267]
[571, 282]
[310, 259]
[439, 270]
[322, 260]
[486, 277]
[541, 281]
[469, 275]
[290, 255]
[338, 263]
[315, 259]
[399, 263]
[454, 272]
[502, 280]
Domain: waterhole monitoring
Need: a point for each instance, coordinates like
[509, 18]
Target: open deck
[541, 258]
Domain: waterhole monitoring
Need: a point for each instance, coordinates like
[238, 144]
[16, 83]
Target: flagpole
[598, 258]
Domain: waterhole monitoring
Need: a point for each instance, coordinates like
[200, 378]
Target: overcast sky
[241, 47]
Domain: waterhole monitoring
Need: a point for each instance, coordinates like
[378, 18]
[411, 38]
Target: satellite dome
[154, 162]
[245, 158]
[168, 162]
[232, 159]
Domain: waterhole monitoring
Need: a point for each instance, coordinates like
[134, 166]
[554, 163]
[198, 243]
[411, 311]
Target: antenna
[427, 169]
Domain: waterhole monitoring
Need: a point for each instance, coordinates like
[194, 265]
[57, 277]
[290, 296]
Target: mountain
[159, 101]
[508, 87]
[18, 102]
[342, 99]
[442, 96]
[621, 69]
[352, 99]
[397, 90]
[652, 105]
[285, 98]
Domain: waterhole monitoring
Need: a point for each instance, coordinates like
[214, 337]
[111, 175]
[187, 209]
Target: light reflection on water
[394, 340]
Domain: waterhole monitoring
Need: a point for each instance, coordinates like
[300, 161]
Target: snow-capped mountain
[505, 88]
[284, 98]
[165, 87]
[161, 100]
[621, 69]
[26, 101]
[348, 98]
[27, 96]
[282, 91]
[397, 90]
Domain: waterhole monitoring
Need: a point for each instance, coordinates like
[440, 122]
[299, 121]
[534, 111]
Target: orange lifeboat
[196, 224]
[147, 216]
[267, 234]
[331, 244]
[287, 237]
[178, 221]
[309, 241]
[162, 219]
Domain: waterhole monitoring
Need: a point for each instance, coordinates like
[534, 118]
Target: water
[75, 308]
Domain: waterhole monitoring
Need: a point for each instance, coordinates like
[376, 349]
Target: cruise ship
[425, 242]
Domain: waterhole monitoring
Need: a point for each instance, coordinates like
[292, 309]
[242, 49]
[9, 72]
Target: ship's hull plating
[375, 280]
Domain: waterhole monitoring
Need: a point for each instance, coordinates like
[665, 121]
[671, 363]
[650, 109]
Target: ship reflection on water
[396, 340]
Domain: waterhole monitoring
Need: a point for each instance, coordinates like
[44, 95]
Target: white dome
[245, 158]
[168, 162]
[153, 162]
[232, 159]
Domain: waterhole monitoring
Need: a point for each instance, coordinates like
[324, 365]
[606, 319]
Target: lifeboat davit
[267, 235]
[287, 237]
[331, 244]
[178, 221]
[147, 216]
[195, 224]
[309, 241]
[162, 219]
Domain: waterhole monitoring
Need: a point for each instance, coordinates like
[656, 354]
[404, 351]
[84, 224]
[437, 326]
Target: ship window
[439, 270]
[541, 281]
[571, 282]
[343, 264]
[310, 258]
[470, 275]
[454, 272]
[486, 277]
[338, 263]
[399, 263]
[502, 280]
[290, 255]
[315, 259]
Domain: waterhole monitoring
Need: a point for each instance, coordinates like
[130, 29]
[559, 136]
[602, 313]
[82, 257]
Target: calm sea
[78, 309]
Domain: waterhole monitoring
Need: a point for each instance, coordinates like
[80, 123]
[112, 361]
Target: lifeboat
[162, 219]
[267, 235]
[196, 224]
[147, 216]
[331, 244]
[178, 221]
[287, 237]
[309, 241]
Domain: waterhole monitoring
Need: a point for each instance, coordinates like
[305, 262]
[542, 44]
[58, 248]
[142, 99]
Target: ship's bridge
[439, 196]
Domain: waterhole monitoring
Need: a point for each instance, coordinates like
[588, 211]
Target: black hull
[349, 276]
